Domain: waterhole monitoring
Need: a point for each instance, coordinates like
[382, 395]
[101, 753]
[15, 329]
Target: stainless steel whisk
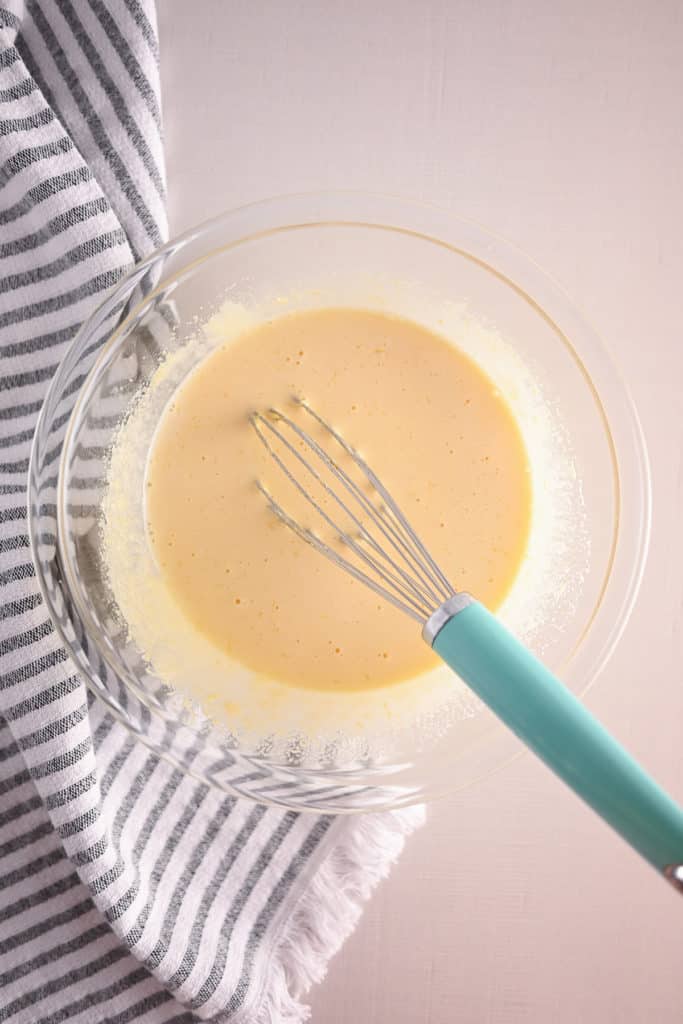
[383, 552]
[405, 573]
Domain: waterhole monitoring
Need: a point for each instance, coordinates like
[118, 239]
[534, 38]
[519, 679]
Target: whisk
[372, 540]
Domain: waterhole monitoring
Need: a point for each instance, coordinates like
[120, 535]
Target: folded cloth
[129, 892]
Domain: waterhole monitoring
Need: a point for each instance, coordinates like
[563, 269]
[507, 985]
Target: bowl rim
[430, 222]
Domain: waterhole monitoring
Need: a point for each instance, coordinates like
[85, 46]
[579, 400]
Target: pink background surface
[558, 125]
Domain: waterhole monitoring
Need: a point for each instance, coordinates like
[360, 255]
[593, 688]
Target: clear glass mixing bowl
[398, 255]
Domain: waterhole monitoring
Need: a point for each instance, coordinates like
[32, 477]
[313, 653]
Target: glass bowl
[591, 480]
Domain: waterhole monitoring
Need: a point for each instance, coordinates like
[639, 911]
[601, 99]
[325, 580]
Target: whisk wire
[410, 595]
[423, 586]
[414, 583]
[390, 504]
[403, 603]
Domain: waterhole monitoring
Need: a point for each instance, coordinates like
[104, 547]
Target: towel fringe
[330, 908]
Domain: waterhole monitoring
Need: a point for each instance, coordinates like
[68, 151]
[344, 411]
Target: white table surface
[559, 125]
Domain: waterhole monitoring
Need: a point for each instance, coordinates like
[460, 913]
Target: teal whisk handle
[556, 726]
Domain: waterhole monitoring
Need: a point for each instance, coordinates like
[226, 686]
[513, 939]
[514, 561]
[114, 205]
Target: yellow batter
[429, 422]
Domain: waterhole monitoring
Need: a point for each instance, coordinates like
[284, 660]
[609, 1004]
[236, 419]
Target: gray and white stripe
[128, 891]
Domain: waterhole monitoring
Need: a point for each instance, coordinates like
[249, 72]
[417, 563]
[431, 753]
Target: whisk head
[380, 548]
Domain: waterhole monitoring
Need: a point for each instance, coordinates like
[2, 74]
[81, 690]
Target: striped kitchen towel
[128, 892]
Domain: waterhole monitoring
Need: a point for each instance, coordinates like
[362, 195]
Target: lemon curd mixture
[427, 419]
